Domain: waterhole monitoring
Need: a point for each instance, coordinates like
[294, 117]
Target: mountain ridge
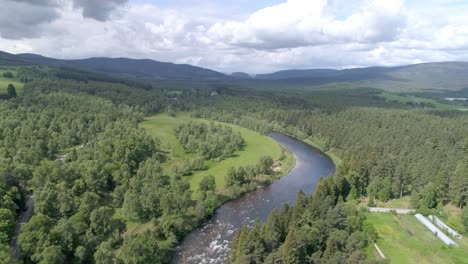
[449, 75]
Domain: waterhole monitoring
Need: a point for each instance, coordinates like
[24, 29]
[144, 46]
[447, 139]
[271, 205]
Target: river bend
[210, 243]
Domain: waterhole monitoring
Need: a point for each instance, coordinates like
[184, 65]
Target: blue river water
[210, 243]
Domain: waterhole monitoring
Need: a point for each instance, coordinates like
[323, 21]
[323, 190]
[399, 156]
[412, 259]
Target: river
[210, 243]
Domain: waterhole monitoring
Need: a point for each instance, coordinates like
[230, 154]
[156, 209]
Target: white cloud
[293, 34]
[99, 10]
[20, 19]
[297, 23]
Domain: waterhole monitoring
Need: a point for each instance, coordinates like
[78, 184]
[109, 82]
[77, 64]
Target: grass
[403, 239]
[5, 81]
[415, 99]
[403, 202]
[256, 145]
[399, 203]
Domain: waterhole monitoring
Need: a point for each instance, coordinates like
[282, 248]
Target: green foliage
[6, 256]
[146, 249]
[403, 239]
[244, 178]
[35, 235]
[207, 184]
[102, 223]
[152, 194]
[464, 217]
[264, 164]
[213, 141]
[104, 253]
[256, 145]
[429, 196]
[317, 229]
[7, 224]
[72, 137]
[10, 202]
[382, 148]
[8, 74]
[11, 91]
[294, 249]
[52, 254]
[459, 185]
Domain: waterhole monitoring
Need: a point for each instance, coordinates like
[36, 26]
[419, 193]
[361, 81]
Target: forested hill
[131, 68]
[289, 74]
[11, 59]
[450, 76]
[439, 76]
[72, 138]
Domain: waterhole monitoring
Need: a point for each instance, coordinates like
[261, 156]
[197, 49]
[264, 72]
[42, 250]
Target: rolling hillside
[437, 76]
[425, 77]
[143, 69]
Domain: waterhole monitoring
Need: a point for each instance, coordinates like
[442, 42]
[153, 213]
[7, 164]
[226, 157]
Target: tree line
[322, 228]
[387, 151]
[211, 141]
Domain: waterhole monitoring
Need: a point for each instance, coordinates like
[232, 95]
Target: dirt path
[388, 210]
[23, 219]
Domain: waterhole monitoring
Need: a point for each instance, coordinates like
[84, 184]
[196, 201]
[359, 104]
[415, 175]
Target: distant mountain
[411, 78]
[133, 68]
[142, 69]
[10, 59]
[289, 74]
[438, 76]
[242, 75]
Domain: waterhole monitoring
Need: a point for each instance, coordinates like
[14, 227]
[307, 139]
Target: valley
[231, 171]
[255, 146]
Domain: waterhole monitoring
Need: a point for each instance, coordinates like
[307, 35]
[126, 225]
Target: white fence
[445, 227]
[436, 231]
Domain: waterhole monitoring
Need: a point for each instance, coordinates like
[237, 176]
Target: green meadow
[256, 145]
[403, 239]
[5, 81]
[417, 100]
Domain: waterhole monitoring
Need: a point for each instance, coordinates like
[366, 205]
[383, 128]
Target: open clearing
[403, 239]
[5, 81]
[256, 145]
[417, 100]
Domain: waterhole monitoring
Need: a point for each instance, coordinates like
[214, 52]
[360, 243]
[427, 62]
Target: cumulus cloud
[20, 19]
[29, 18]
[297, 23]
[39, 2]
[291, 34]
[100, 9]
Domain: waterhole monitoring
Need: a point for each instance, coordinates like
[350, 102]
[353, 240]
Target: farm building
[443, 226]
[436, 231]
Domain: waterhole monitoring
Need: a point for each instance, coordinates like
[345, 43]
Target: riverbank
[211, 242]
[256, 145]
[330, 153]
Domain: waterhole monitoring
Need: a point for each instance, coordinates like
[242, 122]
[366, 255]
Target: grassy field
[400, 203]
[403, 239]
[256, 146]
[403, 202]
[414, 99]
[5, 81]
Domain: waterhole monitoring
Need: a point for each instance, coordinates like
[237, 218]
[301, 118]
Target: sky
[253, 36]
